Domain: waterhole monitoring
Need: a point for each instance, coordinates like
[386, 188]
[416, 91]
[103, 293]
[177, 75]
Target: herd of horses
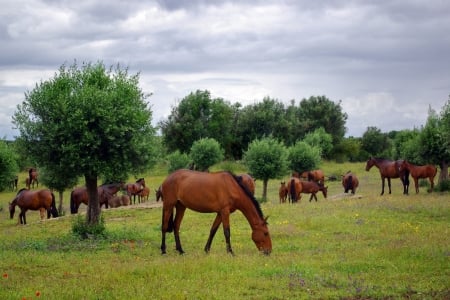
[221, 193]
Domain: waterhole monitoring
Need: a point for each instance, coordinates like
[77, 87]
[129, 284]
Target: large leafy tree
[375, 143]
[8, 165]
[205, 153]
[266, 159]
[88, 121]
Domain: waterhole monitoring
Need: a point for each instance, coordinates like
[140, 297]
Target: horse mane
[255, 202]
[21, 190]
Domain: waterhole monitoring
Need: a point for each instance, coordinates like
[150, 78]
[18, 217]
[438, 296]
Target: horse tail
[53, 209]
[73, 208]
[292, 191]
[349, 183]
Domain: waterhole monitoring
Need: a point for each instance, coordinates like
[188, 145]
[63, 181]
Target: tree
[8, 165]
[375, 142]
[205, 153]
[266, 159]
[320, 139]
[303, 157]
[177, 160]
[88, 121]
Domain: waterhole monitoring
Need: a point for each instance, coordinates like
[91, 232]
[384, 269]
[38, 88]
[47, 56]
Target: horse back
[309, 187]
[34, 200]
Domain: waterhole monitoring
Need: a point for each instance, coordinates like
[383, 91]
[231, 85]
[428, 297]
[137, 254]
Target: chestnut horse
[314, 175]
[390, 169]
[283, 192]
[220, 192]
[119, 200]
[105, 192]
[134, 189]
[312, 187]
[33, 200]
[32, 179]
[426, 171]
[143, 194]
[350, 182]
[294, 189]
[248, 181]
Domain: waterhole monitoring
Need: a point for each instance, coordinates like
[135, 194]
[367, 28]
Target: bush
[84, 230]
[205, 153]
[443, 186]
[177, 160]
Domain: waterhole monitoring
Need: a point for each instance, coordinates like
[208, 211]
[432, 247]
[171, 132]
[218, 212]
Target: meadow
[365, 247]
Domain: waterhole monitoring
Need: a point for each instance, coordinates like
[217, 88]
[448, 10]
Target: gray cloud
[383, 58]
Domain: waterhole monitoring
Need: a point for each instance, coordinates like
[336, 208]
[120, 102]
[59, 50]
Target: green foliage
[303, 157]
[85, 230]
[8, 165]
[375, 142]
[443, 186]
[205, 153]
[177, 160]
[320, 139]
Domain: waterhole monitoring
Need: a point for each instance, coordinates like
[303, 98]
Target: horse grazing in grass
[390, 169]
[158, 194]
[133, 189]
[32, 179]
[33, 200]
[312, 187]
[350, 182]
[314, 175]
[294, 189]
[283, 192]
[426, 171]
[105, 192]
[119, 200]
[220, 192]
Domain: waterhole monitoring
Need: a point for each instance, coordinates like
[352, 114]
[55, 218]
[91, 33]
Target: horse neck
[249, 210]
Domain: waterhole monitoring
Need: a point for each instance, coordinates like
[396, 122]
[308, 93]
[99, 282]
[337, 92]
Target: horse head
[370, 163]
[261, 237]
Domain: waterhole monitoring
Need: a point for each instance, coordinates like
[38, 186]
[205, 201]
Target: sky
[387, 62]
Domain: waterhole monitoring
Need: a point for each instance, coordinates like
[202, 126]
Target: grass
[376, 247]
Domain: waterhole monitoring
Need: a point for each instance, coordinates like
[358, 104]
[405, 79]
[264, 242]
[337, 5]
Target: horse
[350, 182]
[314, 175]
[105, 192]
[426, 171]
[33, 200]
[390, 169]
[116, 201]
[32, 179]
[134, 189]
[312, 187]
[283, 192]
[248, 181]
[143, 194]
[13, 183]
[158, 194]
[220, 192]
[294, 189]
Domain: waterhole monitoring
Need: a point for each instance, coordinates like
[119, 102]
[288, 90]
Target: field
[365, 247]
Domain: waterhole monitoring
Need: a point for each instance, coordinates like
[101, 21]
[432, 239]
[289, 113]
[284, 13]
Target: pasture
[365, 246]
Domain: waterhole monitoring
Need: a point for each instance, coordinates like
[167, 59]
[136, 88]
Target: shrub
[84, 230]
[443, 186]
[177, 160]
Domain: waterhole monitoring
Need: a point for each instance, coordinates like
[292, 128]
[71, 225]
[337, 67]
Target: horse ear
[265, 220]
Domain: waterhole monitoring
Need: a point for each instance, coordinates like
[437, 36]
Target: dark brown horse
[158, 194]
[350, 182]
[312, 187]
[105, 192]
[33, 200]
[283, 192]
[32, 179]
[13, 183]
[133, 189]
[294, 189]
[119, 200]
[426, 171]
[389, 169]
[220, 192]
[314, 175]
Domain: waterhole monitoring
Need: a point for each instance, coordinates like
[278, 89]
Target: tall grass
[373, 247]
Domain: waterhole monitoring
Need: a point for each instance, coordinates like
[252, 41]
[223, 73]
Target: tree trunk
[444, 171]
[93, 210]
[60, 208]
[265, 189]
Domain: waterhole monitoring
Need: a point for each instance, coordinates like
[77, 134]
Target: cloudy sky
[388, 61]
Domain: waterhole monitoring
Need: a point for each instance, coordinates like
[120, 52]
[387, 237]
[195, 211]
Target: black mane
[255, 202]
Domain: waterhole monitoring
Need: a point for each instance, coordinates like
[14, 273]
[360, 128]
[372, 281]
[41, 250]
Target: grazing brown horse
[314, 175]
[119, 200]
[426, 171]
[105, 192]
[294, 189]
[312, 187]
[158, 194]
[32, 179]
[33, 200]
[350, 182]
[389, 169]
[220, 192]
[133, 189]
[283, 192]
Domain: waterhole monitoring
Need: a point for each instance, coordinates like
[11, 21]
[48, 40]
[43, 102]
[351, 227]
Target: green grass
[376, 247]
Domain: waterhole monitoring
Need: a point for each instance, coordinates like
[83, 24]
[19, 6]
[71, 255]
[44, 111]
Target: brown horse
[32, 179]
[426, 171]
[283, 192]
[248, 181]
[312, 187]
[119, 200]
[158, 194]
[13, 183]
[389, 169]
[294, 189]
[33, 200]
[314, 175]
[143, 194]
[350, 182]
[133, 189]
[105, 192]
[220, 192]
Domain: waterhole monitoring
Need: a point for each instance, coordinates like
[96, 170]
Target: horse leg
[432, 184]
[225, 216]
[382, 186]
[166, 226]
[416, 184]
[212, 232]
[22, 218]
[389, 184]
[180, 209]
